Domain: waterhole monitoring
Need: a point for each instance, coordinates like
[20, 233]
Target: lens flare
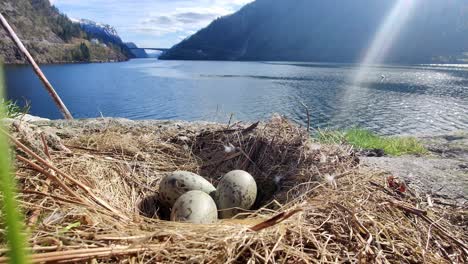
[385, 37]
[378, 50]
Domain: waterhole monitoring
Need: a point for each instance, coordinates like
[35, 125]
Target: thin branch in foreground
[73, 256]
[55, 97]
[308, 115]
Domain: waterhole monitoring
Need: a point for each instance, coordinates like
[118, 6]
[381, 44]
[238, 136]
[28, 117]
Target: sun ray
[385, 37]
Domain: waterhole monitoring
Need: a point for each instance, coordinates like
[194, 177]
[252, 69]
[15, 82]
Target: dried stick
[230, 119]
[46, 148]
[82, 255]
[53, 197]
[408, 208]
[52, 177]
[37, 70]
[442, 231]
[125, 238]
[275, 220]
[48, 248]
[45, 189]
[250, 128]
[308, 116]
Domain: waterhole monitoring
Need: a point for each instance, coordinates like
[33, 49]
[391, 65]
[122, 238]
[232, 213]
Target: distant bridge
[160, 49]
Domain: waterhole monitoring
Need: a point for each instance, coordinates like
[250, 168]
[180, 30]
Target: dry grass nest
[92, 196]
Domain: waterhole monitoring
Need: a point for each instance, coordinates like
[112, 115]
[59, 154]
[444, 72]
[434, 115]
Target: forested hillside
[329, 31]
[50, 36]
[104, 34]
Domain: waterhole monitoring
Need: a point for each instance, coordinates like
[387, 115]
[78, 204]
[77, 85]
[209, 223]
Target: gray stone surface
[442, 173]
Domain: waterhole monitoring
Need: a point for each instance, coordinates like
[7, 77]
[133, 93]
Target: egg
[179, 182]
[236, 189]
[195, 207]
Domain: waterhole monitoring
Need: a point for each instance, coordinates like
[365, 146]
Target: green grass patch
[12, 110]
[364, 139]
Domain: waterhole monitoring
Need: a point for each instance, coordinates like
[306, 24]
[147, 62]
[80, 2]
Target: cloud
[192, 17]
[151, 22]
[181, 20]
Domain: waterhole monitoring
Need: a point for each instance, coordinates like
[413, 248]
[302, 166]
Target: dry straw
[316, 203]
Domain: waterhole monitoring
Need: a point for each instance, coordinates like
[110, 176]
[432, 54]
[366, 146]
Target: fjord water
[420, 99]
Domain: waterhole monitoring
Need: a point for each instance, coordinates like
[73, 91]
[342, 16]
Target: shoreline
[441, 173]
[354, 64]
[32, 118]
[418, 135]
[65, 62]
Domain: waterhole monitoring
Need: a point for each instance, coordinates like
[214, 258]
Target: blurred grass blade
[11, 215]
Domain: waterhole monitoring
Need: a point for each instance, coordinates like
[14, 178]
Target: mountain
[138, 53]
[104, 34]
[51, 37]
[330, 31]
[99, 31]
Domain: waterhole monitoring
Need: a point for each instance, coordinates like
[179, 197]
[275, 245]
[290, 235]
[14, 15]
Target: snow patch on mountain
[99, 30]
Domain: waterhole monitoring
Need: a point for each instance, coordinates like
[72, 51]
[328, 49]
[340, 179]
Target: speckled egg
[236, 189]
[195, 207]
[179, 182]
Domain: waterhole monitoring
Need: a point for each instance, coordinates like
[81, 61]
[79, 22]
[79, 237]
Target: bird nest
[91, 194]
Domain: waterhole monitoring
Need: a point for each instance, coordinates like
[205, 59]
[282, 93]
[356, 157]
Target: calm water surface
[392, 100]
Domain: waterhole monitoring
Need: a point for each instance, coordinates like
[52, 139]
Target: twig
[308, 115]
[230, 119]
[123, 238]
[66, 176]
[52, 196]
[47, 248]
[250, 128]
[359, 226]
[45, 189]
[46, 148]
[50, 176]
[82, 255]
[37, 70]
[385, 190]
[442, 231]
[408, 208]
[275, 220]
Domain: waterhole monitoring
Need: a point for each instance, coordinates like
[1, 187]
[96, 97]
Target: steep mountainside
[50, 36]
[329, 31]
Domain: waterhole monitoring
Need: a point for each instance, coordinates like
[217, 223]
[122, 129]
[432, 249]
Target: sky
[151, 23]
